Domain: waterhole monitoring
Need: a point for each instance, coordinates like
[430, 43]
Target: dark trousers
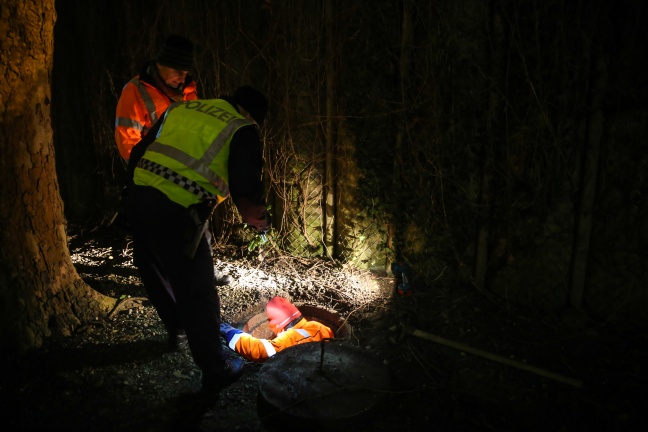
[181, 289]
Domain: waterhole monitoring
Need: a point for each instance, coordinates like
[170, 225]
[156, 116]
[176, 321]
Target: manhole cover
[320, 386]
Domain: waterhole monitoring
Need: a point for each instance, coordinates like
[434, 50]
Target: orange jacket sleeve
[132, 120]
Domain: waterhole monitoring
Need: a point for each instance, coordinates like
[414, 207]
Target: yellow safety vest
[188, 159]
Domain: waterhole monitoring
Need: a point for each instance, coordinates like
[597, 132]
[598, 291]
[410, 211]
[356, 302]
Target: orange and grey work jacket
[259, 350]
[140, 106]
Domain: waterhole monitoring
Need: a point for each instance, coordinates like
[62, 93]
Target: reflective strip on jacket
[259, 350]
[188, 161]
[140, 105]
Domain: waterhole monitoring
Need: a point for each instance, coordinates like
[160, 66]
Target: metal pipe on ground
[466, 348]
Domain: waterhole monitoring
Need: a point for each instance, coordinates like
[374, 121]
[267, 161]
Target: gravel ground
[116, 374]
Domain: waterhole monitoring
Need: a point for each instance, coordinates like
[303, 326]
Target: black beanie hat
[176, 53]
[253, 102]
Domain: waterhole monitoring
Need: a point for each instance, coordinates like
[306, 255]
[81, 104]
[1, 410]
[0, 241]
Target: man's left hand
[254, 214]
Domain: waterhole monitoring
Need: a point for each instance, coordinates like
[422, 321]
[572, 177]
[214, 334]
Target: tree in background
[41, 293]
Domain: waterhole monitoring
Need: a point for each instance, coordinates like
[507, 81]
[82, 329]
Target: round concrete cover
[348, 383]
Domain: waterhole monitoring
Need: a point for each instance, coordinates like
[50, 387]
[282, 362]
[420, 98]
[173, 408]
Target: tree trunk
[486, 186]
[590, 167]
[398, 180]
[40, 292]
[329, 185]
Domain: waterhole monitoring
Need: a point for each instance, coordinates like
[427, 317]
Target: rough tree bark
[41, 293]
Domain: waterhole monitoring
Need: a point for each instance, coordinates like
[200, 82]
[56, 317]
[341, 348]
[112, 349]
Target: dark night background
[495, 143]
[497, 147]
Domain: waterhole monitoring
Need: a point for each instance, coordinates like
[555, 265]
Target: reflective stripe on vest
[148, 101]
[129, 123]
[270, 350]
[150, 108]
[303, 332]
[235, 338]
[201, 166]
[192, 148]
[176, 178]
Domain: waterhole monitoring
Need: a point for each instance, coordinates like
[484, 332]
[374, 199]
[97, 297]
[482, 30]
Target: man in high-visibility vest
[146, 97]
[201, 152]
[288, 325]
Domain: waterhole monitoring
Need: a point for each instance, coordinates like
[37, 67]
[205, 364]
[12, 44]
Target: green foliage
[258, 241]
